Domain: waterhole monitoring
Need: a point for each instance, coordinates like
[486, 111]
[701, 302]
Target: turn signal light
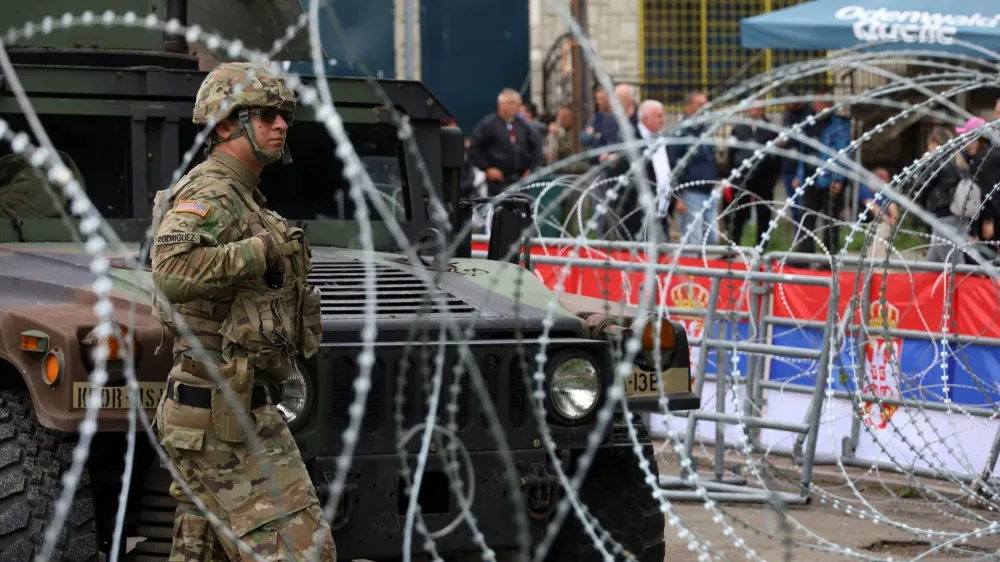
[666, 339]
[34, 341]
[52, 367]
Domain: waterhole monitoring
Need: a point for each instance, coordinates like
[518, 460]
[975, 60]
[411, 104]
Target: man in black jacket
[754, 188]
[504, 146]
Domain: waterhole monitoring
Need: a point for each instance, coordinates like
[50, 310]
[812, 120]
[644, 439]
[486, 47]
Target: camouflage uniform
[233, 271]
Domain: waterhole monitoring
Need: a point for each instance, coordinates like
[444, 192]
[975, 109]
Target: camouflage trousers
[263, 495]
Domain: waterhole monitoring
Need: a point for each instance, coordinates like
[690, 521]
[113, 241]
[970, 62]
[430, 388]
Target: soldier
[235, 273]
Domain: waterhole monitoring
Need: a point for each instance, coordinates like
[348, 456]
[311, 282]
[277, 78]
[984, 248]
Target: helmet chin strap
[265, 157]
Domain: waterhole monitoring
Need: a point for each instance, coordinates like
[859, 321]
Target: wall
[357, 38]
[465, 51]
[613, 30]
[470, 50]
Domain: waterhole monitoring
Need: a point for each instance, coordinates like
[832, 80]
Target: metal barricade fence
[760, 411]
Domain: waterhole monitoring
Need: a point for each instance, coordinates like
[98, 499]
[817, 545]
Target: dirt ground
[828, 529]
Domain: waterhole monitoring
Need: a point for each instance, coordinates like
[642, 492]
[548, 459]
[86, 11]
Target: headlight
[574, 387]
[295, 396]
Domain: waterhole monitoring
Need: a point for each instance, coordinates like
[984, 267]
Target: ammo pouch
[310, 321]
[261, 328]
[310, 316]
[225, 413]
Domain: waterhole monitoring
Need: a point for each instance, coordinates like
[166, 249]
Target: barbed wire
[932, 445]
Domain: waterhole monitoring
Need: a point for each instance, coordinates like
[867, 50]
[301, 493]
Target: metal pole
[408, 40]
[754, 335]
[891, 332]
[883, 466]
[699, 380]
[816, 406]
[766, 304]
[754, 421]
[721, 364]
[855, 204]
[578, 9]
[730, 497]
[976, 411]
[662, 247]
[850, 445]
[674, 483]
[879, 263]
[681, 270]
[761, 348]
[991, 463]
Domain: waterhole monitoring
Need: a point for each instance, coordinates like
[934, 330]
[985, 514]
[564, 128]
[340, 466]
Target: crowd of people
[514, 141]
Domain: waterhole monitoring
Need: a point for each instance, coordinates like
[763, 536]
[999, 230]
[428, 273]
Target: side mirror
[511, 219]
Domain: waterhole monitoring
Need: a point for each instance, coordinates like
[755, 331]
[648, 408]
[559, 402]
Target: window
[96, 148]
[313, 186]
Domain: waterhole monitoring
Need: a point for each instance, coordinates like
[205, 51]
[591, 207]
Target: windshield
[96, 149]
[313, 186]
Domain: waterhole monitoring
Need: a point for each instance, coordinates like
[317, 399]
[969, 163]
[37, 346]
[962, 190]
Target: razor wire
[45, 156]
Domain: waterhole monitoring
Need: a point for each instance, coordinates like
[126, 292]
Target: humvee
[117, 104]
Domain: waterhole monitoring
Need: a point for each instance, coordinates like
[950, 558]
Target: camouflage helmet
[263, 89]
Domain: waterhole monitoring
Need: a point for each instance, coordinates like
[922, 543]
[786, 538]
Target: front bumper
[677, 402]
[372, 512]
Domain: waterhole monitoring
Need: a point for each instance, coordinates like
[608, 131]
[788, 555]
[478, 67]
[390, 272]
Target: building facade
[667, 47]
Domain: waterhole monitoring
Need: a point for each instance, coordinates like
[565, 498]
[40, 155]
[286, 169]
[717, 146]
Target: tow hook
[540, 490]
[345, 507]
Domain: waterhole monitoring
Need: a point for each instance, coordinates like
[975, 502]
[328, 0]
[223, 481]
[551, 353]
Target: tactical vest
[268, 325]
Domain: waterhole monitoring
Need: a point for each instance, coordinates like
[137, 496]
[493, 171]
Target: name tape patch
[186, 238]
[194, 207]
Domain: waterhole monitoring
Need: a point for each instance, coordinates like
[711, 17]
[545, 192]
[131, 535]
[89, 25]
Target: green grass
[782, 237]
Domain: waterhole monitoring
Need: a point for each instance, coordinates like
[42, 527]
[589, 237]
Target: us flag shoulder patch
[195, 207]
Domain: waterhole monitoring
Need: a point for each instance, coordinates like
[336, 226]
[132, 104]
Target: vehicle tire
[157, 510]
[616, 494]
[32, 462]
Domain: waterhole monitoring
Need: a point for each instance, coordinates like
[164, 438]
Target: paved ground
[827, 528]
[821, 521]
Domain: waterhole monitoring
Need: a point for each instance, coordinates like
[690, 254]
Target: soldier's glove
[272, 250]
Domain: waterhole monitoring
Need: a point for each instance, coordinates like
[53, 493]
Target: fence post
[721, 371]
[849, 446]
[822, 375]
[756, 363]
[699, 379]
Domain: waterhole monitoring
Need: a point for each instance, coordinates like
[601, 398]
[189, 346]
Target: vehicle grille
[399, 293]
[502, 373]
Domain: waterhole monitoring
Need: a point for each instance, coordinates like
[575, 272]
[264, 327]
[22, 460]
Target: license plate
[118, 397]
[641, 383]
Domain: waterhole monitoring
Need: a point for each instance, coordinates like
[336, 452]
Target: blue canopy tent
[885, 24]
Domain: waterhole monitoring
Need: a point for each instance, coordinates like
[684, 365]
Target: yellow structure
[687, 45]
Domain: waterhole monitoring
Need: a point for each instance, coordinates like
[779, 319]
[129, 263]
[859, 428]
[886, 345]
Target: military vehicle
[117, 103]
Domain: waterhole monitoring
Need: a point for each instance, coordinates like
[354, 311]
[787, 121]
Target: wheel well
[10, 378]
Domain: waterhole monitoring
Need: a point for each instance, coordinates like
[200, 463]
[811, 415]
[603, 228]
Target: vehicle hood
[496, 296]
[500, 298]
[46, 273]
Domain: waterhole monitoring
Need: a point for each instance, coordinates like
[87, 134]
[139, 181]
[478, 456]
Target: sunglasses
[269, 114]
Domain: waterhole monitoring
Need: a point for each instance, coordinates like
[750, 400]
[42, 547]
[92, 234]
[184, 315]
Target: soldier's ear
[225, 129]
